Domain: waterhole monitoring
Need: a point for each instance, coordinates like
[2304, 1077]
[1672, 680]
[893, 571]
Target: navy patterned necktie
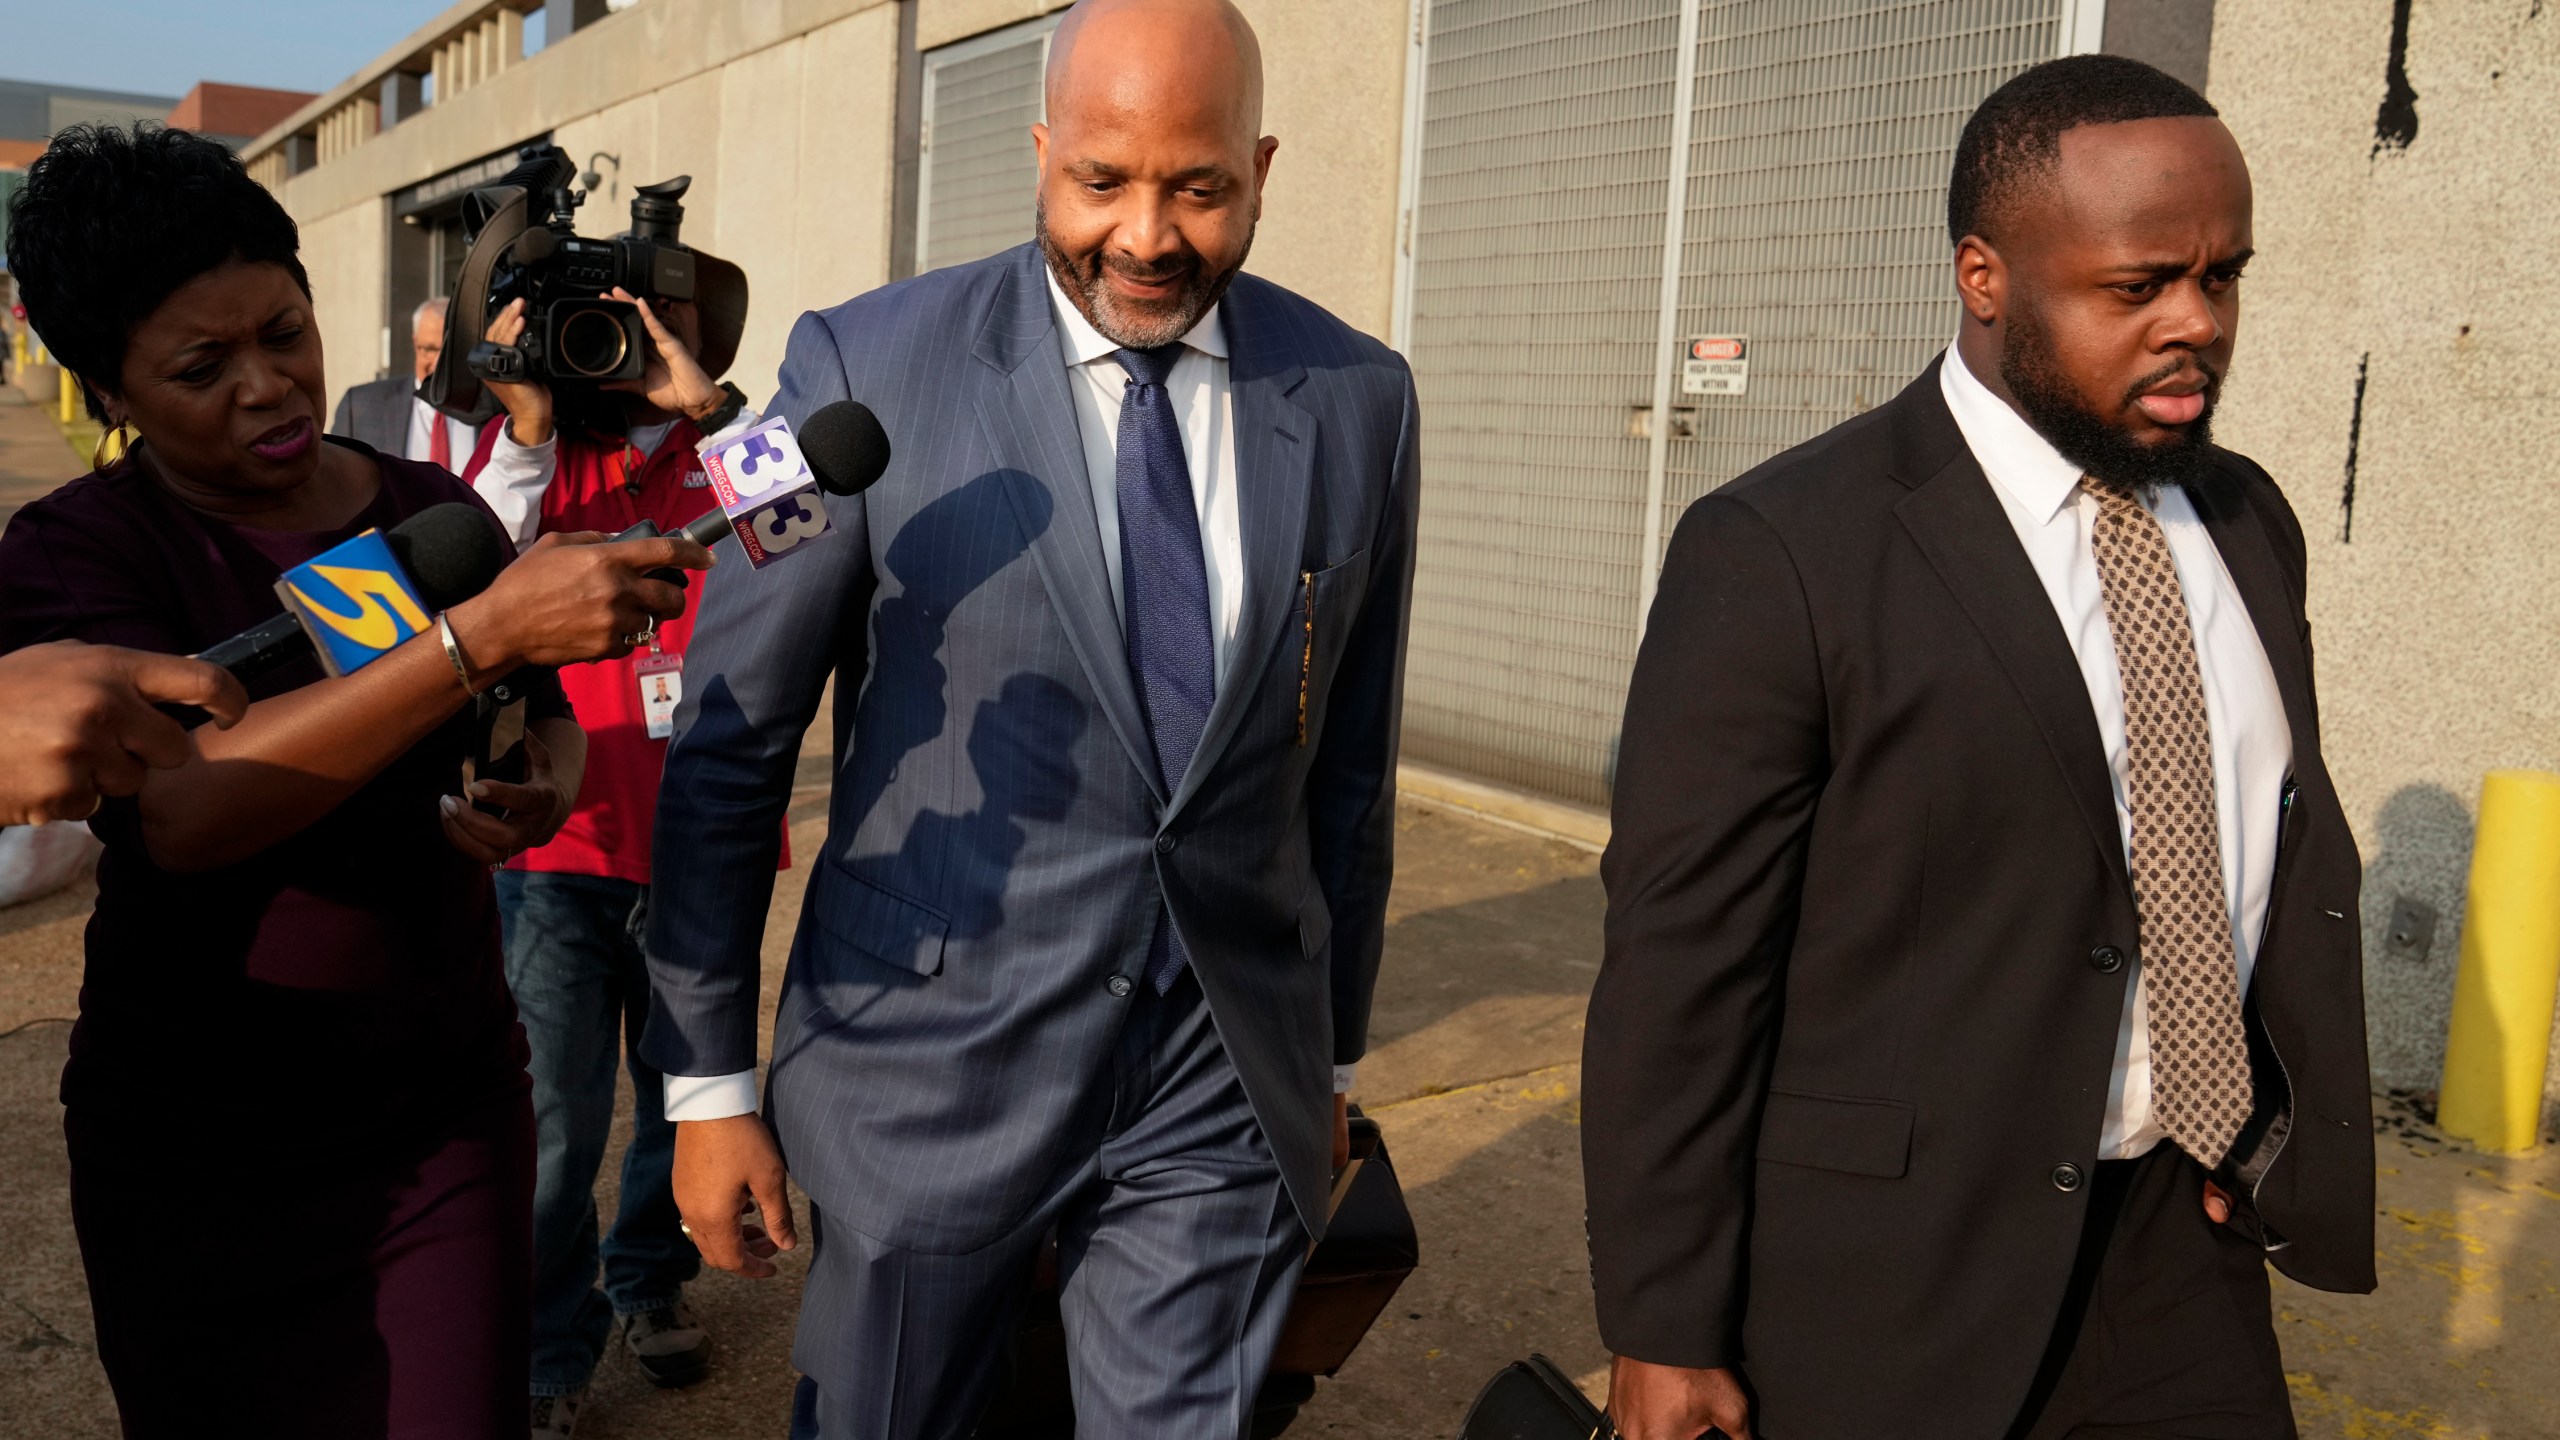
[1164, 593]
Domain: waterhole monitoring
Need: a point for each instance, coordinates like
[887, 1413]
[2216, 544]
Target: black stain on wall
[2355, 437]
[2396, 123]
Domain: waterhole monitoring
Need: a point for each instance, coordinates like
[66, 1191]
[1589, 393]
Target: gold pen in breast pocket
[1306, 657]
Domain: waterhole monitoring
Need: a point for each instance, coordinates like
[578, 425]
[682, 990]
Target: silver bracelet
[453, 652]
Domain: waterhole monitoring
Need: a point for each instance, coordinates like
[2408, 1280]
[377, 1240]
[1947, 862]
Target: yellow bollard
[2495, 1050]
[70, 406]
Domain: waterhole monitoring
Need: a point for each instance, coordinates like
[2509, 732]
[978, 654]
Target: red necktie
[440, 447]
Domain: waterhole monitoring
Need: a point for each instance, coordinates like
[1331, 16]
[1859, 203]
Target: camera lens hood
[453, 388]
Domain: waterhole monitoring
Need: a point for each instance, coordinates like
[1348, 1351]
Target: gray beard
[1127, 325]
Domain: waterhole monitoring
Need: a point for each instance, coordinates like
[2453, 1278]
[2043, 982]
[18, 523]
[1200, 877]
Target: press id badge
[661, 690]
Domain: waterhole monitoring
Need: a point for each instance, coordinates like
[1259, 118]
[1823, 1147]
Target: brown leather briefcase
[1368, 1250]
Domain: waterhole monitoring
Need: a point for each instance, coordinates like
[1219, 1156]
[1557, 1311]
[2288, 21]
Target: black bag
[1367, 1251]
[1533, 1400]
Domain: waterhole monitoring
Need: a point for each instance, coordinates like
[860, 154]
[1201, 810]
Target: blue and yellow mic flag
[354, 602]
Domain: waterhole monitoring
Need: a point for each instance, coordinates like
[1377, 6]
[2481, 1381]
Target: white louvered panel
[1537, 262]
[974, 188]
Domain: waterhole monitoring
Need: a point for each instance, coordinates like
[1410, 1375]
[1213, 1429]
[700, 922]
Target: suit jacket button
[2066, 1177]
[2106, 959]
[1119, 987]
[1165, 844]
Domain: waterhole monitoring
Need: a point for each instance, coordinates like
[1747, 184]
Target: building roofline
[412, 56]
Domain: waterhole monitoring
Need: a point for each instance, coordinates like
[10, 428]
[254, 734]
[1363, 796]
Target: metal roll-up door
[1813, 158]
[1537, 260]
[976, 174]
[1817, 221]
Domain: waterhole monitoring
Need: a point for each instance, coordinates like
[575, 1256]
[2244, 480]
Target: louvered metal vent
[974, 186]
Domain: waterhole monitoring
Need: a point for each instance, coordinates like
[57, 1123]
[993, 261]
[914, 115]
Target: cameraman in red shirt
[602, 458]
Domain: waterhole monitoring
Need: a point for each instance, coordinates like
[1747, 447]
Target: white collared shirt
[421, 442]
[2252, 741]
[1204, 411]
[513, 481]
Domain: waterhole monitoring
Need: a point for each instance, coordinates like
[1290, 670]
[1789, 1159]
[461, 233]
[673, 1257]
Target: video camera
[524, 246]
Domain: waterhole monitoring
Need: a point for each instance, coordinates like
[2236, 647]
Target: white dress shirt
[514, 479]
[420, 445]
[2252, 741]
[1204, 410]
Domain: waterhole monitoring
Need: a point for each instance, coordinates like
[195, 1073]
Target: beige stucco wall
[790, 148]
[345, 256]
[2438, 626]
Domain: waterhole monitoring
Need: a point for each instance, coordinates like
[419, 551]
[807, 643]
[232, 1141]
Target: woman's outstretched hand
[572, 597]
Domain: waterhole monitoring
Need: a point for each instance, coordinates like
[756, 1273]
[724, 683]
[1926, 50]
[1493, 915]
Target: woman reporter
[301, 1146]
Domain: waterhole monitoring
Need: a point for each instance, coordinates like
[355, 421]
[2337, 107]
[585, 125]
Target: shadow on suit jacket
[1855, 1009]
[998, 844]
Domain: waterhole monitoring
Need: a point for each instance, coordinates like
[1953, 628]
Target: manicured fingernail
[447, 804]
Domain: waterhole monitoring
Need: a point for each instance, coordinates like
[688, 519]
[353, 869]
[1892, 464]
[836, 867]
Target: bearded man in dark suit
[1983, 1004]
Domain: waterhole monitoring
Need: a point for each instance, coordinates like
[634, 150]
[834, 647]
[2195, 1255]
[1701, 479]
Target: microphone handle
[254, 652]
[705, 530]
[247, 655]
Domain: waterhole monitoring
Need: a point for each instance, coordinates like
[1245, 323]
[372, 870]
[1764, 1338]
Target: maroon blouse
[341, 991]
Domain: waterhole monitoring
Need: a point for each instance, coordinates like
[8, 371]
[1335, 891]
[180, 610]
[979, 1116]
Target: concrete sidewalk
[1474, 1075]
[34, 458]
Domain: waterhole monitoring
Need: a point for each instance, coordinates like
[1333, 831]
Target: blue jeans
[574, 962]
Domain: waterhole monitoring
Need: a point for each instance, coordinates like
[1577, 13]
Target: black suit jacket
[1857, 1007]
[377, 413]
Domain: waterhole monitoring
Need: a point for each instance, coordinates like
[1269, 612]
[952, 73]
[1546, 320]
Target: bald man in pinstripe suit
[1118, 644]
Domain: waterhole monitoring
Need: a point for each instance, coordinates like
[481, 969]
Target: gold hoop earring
[112, 445]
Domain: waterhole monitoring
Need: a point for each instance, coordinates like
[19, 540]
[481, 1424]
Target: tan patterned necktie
[2200, 1084]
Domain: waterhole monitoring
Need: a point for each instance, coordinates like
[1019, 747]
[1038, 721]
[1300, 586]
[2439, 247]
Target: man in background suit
[389, 415]
[1117, 643]
[1982, 1005]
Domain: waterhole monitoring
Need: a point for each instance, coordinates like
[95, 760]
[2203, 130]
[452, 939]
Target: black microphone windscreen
[845, 446]
[450, 551]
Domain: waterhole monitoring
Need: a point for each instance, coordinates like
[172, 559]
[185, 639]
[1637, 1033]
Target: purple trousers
[350, 1302]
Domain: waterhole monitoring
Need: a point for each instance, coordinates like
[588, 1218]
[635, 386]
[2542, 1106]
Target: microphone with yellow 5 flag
[357, 601]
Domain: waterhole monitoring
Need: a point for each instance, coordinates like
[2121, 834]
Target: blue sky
[163, 47]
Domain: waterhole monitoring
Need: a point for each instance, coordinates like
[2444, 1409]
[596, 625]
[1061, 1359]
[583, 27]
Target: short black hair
[2016, 132]
[110, 222]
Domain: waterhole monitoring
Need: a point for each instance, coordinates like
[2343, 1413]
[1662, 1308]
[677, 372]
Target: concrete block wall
[2400, 311]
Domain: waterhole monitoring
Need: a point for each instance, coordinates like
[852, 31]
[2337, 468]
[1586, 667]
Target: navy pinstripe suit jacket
[998, 844]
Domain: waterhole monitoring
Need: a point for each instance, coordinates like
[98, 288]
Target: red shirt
[607, 485]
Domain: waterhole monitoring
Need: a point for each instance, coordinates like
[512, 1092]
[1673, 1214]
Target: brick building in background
[234, 114]
[30, 111]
